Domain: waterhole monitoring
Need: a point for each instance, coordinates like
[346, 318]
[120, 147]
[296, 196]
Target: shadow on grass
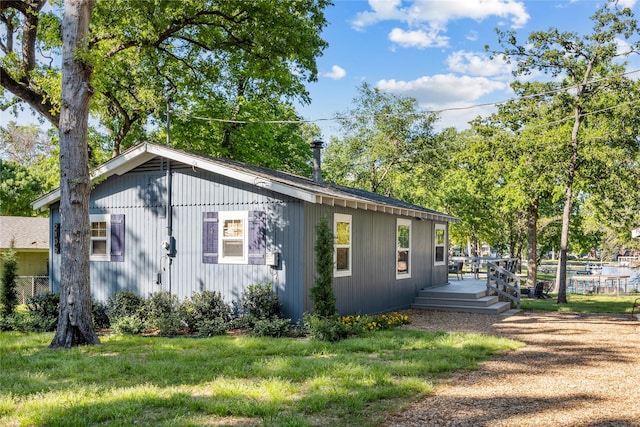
[138, 380]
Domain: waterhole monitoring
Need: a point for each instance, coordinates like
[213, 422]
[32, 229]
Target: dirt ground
[575, 371]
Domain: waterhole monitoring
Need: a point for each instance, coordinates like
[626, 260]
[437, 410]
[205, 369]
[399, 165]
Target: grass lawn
[583, 303]
[134, 380]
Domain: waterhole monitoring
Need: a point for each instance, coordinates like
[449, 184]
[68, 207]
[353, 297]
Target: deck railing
[503, 281]
[628, 260]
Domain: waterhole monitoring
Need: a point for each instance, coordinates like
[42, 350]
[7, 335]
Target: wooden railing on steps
[503, 281]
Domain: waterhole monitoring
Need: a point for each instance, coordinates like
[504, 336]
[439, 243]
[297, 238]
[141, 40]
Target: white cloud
[459, 116]
[420, 39]
[478, 64]
[443, 89]
[336, 73]
[627, 3]
[439, 13]
[381, 10]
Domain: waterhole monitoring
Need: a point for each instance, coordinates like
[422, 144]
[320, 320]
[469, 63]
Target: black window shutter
[257, 237]
[210, 237]
[117, 238]
[56, 238]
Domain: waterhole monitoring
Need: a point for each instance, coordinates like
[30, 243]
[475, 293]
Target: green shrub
[162, 311]
[274, 327]
[213, 327]
[361, 324]
[99, 315]
[260, 302]
[6, 323]
[324, 328]
[202, 307]
[127, 325]
[124, 304]
[45, 308]
[8, 294]
[27, 322]
[35, 322]
[322, 295]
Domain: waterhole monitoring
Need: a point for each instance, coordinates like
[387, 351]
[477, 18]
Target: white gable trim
[232, 173]
[144, 152]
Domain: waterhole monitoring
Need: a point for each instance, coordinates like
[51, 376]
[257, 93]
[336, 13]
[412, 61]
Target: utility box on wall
[273, 259]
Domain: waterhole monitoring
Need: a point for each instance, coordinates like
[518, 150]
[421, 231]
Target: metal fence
[28, 286]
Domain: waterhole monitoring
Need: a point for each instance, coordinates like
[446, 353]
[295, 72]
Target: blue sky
[432, 51]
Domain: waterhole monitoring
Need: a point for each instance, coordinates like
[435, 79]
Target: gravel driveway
[576, 370]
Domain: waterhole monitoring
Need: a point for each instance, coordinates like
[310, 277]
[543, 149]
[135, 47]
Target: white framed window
[403, 248]
[439, 244]
[233, 241]
[100, 249]
[342, 247]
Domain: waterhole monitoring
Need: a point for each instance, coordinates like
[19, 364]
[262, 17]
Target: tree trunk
[532, 245]
[74, 319]
[561, 277]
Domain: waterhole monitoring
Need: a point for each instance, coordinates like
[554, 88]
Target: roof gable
[281, 182]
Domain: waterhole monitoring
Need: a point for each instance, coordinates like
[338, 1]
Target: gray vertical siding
[140, 195]
[372, 286]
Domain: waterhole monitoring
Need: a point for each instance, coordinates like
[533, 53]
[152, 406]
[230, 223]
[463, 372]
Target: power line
[424, 112]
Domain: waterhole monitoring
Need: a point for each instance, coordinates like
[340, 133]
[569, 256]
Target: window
[342, 252]
[232, 243]
[440, 240]
[403, 249]
[99, 238]
[107, 238]
[236, 237]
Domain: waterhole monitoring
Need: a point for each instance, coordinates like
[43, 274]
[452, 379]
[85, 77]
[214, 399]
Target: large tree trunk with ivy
[74, 320]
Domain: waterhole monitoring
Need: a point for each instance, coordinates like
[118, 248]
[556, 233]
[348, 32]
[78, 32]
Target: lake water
[632, 282]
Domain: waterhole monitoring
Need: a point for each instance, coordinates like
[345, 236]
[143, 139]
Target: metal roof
[281, 182]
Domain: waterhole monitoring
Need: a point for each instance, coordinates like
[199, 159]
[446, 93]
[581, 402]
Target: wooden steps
[465, 296]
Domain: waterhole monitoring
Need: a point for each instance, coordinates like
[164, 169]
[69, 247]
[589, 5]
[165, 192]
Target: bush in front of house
[99, 315]
[275, 327]
[322, 295]
[43, 313]
[206, 313]
[213, 327]
[259, 302]
[128, 325]
[324, 328]
[162, 313]
[362, 324]
[124, 304]
[259, 309]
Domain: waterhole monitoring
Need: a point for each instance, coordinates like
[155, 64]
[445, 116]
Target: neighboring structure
[30, 237]
[635, 233]
[166, 219]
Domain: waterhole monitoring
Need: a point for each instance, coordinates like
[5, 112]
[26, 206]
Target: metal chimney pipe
[317, 168]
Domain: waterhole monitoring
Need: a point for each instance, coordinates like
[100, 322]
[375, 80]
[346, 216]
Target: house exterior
[169, 220]
[30, 240]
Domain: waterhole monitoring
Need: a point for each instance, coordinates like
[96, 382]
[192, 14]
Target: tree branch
[36, 100]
